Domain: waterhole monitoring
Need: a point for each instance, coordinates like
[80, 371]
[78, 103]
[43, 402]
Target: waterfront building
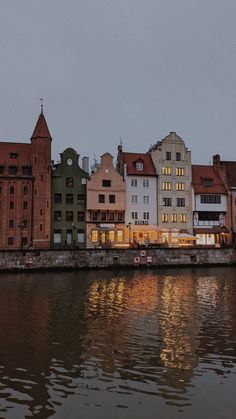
[25, 190]
[69, 200]
[172, 162]
[139, 174]
[210, 208]
[105, 217]
[227, 172]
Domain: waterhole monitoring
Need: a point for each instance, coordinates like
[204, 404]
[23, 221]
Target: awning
[211, 230]
[143, 227]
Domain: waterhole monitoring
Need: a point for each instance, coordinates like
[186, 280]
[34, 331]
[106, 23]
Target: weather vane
[41, 100]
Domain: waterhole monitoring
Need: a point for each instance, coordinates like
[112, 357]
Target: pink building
[105, 217]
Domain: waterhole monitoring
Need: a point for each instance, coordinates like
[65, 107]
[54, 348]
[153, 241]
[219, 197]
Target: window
[111, 216]
[94, 236]
[25, 205]
[41, 227]
[168, 155]
[57, 236]
[24, 241]
[69, 182]
[208, 216]
[25, 223]
[180, 202]
[103, 216]
[106, 183]
[1, 169]
[178, 156]
[182, 218]
[81, 199]
[26, 170]
[80, 236]
[11, 190]
[69, 198]
[164, 218]
[134, 182]
[41, 212]
[166, 186]
[146, 183]
[146, 215]
[11, 204]
[119, 236]
[101, 199]
[167, 202]
[134, 215]
[179, 171]
[12, 170]
[120, 216]
[166, 170]
[208, 182]
[111, 236]
[179, 186]
[174, 218]
[13, 155]
[10, 241]
[69, 216]
[57, 198]
[112, 199]
[139, 166]
[134, 199]
[94, 215]
[146, 199]
[57, 215]
[210, 199]
[25, 190]
[80, 216]
[11, 223]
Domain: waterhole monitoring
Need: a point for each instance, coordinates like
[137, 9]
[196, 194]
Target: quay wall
[114, 258]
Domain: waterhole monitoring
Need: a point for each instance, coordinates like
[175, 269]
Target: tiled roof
[132, 158]
[230, 167]
[41, 129]
[199, 173]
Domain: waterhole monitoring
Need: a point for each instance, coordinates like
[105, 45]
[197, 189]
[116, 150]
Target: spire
[41, 129]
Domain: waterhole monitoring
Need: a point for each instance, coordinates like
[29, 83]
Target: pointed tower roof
[41, 129]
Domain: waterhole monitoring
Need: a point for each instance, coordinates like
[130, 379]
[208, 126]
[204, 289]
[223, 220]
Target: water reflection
[117, 345]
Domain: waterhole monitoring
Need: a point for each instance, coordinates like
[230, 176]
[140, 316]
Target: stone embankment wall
[106, 258]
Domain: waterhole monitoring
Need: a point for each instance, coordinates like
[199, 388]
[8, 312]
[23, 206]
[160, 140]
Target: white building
[139, 174]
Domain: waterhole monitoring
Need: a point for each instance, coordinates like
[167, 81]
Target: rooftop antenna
[41, 100]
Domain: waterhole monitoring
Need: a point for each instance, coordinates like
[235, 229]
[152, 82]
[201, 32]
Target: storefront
[142, 234]
[106, 235]
[214, 236]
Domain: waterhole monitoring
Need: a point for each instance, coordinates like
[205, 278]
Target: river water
[118, 345]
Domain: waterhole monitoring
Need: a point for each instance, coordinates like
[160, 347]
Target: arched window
[25, 190]
[11, 190]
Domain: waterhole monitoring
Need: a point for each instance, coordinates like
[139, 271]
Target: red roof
[203, 176]
[41, 129]
[130, 159]
[230, 167]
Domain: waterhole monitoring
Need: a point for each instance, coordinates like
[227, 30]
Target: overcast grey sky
[135, 69]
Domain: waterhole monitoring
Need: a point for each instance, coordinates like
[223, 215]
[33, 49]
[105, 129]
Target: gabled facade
[172, 162]
[140, 177]
[69, 201]
[25, 191]
[210, 207]
[106, 203]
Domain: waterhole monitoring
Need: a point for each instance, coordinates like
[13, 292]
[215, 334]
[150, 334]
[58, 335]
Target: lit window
[111, 235]
[166, 186]
[119, 236]
[179, 171]
[183, 218]
[174, 218]
[179, 186]
[94, 236]
[166, 170]
[164, 218]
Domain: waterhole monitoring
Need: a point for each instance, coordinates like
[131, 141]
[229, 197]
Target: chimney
[216, 160]
[85, 164]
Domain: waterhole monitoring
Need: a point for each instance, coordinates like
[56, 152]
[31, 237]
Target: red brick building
[25, 191]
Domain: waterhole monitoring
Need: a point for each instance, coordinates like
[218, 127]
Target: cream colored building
[172, 161]
[106, 201]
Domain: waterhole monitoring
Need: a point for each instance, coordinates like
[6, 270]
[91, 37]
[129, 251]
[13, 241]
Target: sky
[120, 70]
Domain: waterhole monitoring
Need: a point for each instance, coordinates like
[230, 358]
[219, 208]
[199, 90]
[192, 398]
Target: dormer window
[208, 182]
[139, 166]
